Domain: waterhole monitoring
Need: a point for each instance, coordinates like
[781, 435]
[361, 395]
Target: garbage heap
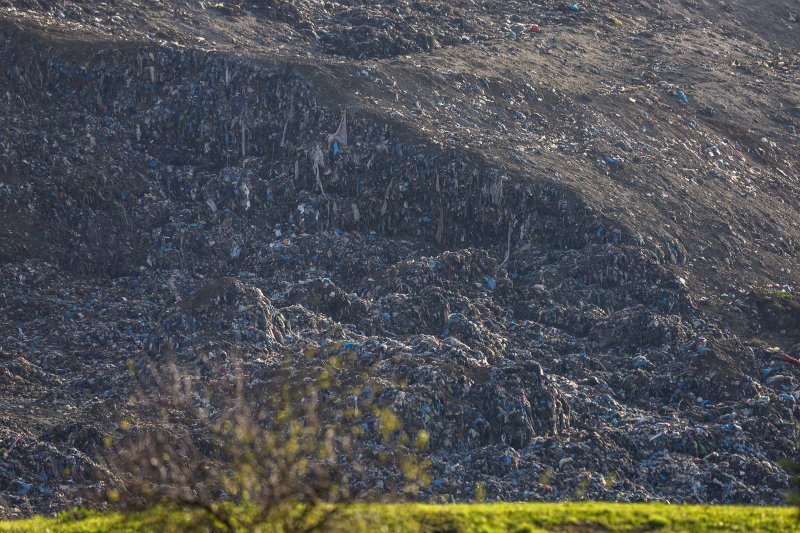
[162, 205]
[354, 29]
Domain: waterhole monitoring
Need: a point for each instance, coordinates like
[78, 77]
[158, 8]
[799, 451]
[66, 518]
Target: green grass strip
[468, 518]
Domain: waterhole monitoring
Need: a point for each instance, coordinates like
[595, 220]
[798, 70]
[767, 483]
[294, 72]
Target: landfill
[560, 238]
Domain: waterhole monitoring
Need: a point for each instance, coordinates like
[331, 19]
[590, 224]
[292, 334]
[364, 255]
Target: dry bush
[251, 456]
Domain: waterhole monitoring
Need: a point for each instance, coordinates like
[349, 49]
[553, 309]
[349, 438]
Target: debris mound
[533, 231]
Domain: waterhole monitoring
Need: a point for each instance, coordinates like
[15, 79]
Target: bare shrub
[287, 454]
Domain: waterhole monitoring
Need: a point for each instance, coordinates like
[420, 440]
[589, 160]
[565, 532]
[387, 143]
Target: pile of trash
[355, 29]
[165, 205]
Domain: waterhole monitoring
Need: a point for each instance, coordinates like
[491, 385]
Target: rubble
[165, 201]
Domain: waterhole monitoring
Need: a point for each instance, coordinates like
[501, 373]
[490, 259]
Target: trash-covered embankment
[174, 205]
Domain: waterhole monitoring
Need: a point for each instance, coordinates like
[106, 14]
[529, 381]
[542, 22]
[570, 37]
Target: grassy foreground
[502, 517]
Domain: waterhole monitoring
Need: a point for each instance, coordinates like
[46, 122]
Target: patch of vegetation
[780, 294]
[780, 299]
[236, 457]
[468, 518]
[780, 308]
[755, 342]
